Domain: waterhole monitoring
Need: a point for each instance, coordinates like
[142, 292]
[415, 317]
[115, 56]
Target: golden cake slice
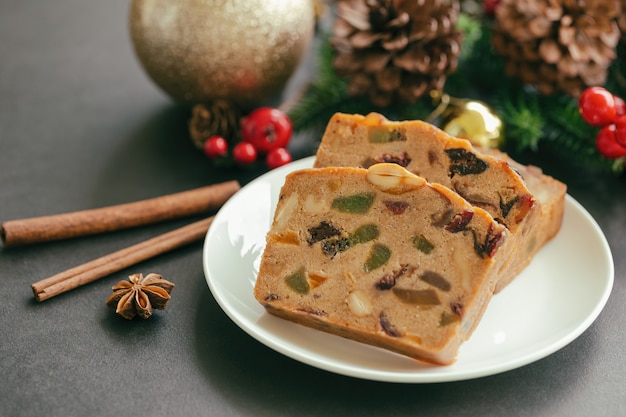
[382, 257]
[491, 181]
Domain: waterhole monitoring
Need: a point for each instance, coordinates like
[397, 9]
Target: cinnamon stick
[116, 261]
[112, 218]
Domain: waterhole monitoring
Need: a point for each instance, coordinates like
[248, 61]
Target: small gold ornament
[468, 119]
[242, 51]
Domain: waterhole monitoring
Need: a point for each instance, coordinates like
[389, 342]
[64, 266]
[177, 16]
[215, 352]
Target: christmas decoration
[468, 119]
[558, 45]
[531, 121]
[266, 128]
[215, 147]
[219, 118]
[597, 106]
[244, 153]
[277, 157]
[242, 51]
[394, 50]
[265, 131]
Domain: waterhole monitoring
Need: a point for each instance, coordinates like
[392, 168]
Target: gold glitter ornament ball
[243, 51]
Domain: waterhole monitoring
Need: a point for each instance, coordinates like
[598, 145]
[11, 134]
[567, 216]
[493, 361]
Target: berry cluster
[600, 108]
[265, 132]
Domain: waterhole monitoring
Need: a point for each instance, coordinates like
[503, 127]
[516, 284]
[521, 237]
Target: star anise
[139, 295]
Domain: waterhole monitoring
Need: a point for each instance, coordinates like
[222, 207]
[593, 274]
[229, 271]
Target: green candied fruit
[383, 134]
[357, 203]
[447, 318]
[379, 255]
[422, 244]
[364, 234]
[298, 282]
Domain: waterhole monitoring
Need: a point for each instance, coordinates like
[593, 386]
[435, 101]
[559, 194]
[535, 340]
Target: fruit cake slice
[382, 257]
[493, 183]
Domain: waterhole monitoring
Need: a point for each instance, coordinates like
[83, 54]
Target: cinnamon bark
[112, 218]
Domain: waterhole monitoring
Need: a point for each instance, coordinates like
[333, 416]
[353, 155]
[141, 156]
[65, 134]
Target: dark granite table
[81, 126]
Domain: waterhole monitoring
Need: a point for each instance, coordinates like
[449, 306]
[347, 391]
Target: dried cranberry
[396, 207]
[403, 160]
[460, 221]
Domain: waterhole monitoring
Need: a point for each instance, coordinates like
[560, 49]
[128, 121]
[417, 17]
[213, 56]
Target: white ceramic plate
[551, 303]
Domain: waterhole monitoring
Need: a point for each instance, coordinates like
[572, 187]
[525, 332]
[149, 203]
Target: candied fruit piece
[364, 234]
[464, 162]
[416, 297]
[379, 255]
[382, 134]
[298, 282]
[436, 280]
[315, 280]
[506, 206]
[447, 318]
[422, 244]
[357, 203]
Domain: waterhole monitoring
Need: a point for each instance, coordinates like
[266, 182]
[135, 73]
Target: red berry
[620, 106]
[278, 157]
[597, 106]
[215, 147]
[489, 6]
[244, 153]
[607, 144]
[620, 130]
[266, 128]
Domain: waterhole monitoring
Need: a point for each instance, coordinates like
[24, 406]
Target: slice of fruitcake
[484, 180]
[382, 257]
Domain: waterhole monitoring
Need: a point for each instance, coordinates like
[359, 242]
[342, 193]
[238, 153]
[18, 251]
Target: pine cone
[394, 50]
[217, 118]
[557, 45]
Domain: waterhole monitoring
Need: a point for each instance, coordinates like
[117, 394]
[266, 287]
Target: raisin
[403, 160]
[436, 280]
[417, 297]
[464, 162]
[332, 247]
[457, 309]
[422, 244]
[313, 311]
[432, 157]
[381, 134]
[298, 282]
[273, 297]
[322, 231]
[357, 203]
[389, 280]
[379, 255]
[396, 207]
[491, 243]
[386, 325]
[442, 219]
[460, 221]
[505, 207]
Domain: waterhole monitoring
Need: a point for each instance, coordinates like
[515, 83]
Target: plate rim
[313, 359]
